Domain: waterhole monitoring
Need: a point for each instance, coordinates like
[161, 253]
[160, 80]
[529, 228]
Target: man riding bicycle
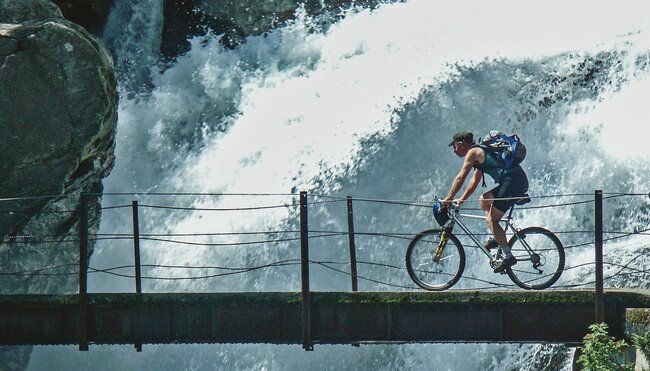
[511, 183]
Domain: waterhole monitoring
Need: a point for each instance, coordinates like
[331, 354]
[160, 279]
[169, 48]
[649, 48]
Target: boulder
[59, 114]
[58, 100]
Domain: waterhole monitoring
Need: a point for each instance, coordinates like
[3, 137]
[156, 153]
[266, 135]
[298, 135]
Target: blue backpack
[508, 150]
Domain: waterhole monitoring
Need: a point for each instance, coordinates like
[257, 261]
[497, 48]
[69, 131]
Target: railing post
[136, 255]
[83, 272]
[353, 249]
[304, 270]
[600, 309]
[136, 247]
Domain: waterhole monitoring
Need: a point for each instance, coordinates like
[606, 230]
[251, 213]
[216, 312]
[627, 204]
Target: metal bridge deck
[335, 317]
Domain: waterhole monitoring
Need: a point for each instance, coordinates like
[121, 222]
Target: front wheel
[432, 265]
[540, 258]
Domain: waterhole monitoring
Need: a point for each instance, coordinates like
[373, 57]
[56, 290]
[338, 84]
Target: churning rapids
[365, 106]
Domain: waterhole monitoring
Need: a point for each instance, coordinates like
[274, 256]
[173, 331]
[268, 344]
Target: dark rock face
[183, 20]
[91, 14]
[237, 19]
[254, 17]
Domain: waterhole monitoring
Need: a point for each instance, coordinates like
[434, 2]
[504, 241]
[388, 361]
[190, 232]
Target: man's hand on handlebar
[445, 204]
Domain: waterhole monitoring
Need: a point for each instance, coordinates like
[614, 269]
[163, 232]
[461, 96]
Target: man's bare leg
[492, 218]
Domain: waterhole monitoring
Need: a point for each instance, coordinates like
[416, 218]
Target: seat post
[512, 208]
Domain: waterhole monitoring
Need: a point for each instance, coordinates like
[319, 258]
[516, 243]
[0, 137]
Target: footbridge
[488, 312]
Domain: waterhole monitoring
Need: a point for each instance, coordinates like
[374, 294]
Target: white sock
[507, 252]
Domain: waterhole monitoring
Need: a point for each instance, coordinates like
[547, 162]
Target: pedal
[495, 262]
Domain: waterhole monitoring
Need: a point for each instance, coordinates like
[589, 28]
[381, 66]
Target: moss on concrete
[627, 298]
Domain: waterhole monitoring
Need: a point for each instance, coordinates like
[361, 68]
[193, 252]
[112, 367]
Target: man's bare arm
[471, 186]
[468, 163]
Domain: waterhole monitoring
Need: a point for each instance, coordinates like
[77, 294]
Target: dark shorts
[514, 184]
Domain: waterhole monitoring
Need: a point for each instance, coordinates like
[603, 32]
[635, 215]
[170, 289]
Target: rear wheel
[540, 267]
[432, 265]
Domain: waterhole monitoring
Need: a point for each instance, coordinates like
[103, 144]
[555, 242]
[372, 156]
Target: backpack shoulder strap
[487, 152]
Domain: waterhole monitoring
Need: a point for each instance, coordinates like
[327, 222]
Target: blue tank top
[492, 167]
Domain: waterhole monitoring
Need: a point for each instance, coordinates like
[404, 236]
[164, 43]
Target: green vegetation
[642, 343]
[638, 316]
[601, 352]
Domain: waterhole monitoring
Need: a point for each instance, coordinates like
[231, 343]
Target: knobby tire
[547, 248]
[430, 275]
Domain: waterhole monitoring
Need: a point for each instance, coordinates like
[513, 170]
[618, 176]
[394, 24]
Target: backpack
[509, 150]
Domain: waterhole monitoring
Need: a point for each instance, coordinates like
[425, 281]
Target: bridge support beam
[304, 273]
[598, 232]
[336, 318]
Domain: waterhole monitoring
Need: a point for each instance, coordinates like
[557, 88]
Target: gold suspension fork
[441, 246]
[444, 235]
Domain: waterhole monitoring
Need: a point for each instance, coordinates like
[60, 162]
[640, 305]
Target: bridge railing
[368, 270]
[403, 235]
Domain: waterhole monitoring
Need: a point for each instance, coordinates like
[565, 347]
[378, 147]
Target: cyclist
[511, 183]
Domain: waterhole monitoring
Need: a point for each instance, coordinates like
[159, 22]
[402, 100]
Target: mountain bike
[435, 258]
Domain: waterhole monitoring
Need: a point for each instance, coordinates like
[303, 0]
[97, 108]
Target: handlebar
[453, 207]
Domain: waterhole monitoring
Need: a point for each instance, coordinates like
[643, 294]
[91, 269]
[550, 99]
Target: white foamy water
[366, 108]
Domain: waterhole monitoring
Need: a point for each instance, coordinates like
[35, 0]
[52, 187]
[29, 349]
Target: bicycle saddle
[524, 200]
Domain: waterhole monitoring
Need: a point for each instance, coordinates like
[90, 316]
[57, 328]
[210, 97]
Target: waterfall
[366, 107]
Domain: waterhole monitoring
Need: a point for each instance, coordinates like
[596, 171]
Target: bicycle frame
[454, 218]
